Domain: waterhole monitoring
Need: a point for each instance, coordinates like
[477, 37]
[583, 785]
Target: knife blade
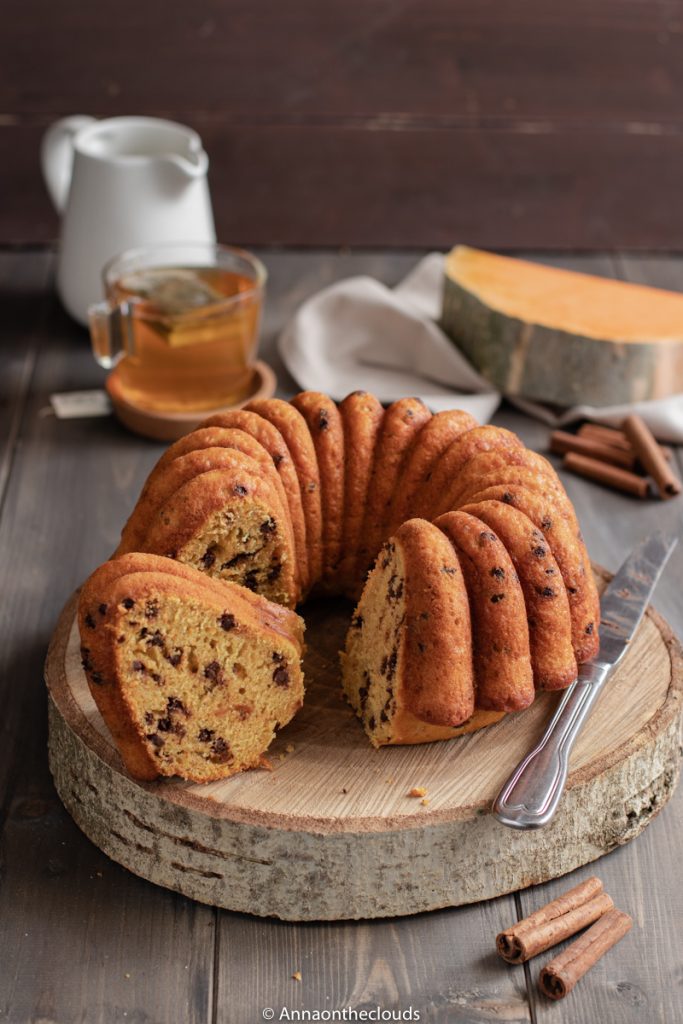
[530, 796]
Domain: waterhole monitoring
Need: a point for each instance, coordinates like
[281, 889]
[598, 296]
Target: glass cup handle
[111, 333]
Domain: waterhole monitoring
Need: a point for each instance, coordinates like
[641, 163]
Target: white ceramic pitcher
[121, 183]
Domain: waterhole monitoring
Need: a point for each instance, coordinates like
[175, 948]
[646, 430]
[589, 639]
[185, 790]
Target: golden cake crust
[402, 421]
[326, 429]
[295, 432]
[545, 595]
[502, 659]
[422, 458]
[362, 416]
[571, 556]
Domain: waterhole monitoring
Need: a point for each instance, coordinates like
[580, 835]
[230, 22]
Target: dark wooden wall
[507, 123]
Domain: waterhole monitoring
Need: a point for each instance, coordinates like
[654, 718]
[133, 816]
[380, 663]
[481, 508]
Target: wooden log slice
[331, 832]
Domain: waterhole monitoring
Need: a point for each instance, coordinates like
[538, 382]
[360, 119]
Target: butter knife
[530, 796]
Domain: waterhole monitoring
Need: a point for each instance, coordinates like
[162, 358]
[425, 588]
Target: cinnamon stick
[559, 976]
[554, 922]
[606, 435]
[603, 473]
[562, 442]
[615, 439]
[651, 457]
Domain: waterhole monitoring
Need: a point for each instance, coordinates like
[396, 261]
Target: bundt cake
[192, 676]
[482, 591]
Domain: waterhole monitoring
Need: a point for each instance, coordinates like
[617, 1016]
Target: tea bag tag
[73, 405]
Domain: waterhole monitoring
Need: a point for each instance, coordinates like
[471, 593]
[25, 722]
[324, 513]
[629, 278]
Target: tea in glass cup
[179, 325]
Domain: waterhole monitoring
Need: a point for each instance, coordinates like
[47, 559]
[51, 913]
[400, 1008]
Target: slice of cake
[191, 677]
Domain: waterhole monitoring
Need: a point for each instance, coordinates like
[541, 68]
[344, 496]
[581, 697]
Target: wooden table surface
[81, 939]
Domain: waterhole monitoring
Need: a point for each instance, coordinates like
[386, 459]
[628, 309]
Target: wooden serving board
[331, 832]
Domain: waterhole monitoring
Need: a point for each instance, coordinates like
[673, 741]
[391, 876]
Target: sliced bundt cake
[192, 677]
[488, 594]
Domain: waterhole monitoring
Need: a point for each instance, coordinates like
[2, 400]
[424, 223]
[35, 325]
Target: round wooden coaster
[170, 426]
[331, 832]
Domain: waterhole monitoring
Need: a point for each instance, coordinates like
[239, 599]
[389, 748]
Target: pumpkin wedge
[560, 336]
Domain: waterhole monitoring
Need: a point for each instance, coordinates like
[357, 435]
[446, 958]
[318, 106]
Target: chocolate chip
[149, 717]
[372, 724]
[268, 526]
[151, 609]
[550, 572]
[164, 725]
[96, 677]
[102, 609]
[240, 489]
[357, 622]
[250, 580]
[155, 739]
[323, 420]
[138, 666]
[157, 678]
[546, 523]
[450, 570]
[175, 704]
[545, 591]
[363, 696]
[507, 498]
[571, 590]
[214, 673]
[89, 621]
[85, 658]
[277, 459]
[128, 603]
[274, 573]
[539, 552]
[589, 628]
[227, 621]
[498, 573]
[281, 676]
[486, 536]
[495, 598]
[204, 735]
[208, 558]
[156, 639]
[220, 751]
[277, 656]
[175, 658]
[242, 556]
[383, 717]
[143, 633]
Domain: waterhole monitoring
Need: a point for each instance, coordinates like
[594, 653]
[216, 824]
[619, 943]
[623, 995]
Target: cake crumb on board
[418, 791]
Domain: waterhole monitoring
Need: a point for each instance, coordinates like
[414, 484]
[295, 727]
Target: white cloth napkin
[359, 333]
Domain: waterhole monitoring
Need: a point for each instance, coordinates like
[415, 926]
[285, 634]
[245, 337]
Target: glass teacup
[179, 325]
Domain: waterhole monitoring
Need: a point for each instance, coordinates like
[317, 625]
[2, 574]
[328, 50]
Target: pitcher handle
[57, 156]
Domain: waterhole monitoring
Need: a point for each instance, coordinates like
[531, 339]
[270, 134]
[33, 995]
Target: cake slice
[190, 678]
[407, 669]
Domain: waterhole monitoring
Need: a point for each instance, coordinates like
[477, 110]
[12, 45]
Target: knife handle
[531, 794]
